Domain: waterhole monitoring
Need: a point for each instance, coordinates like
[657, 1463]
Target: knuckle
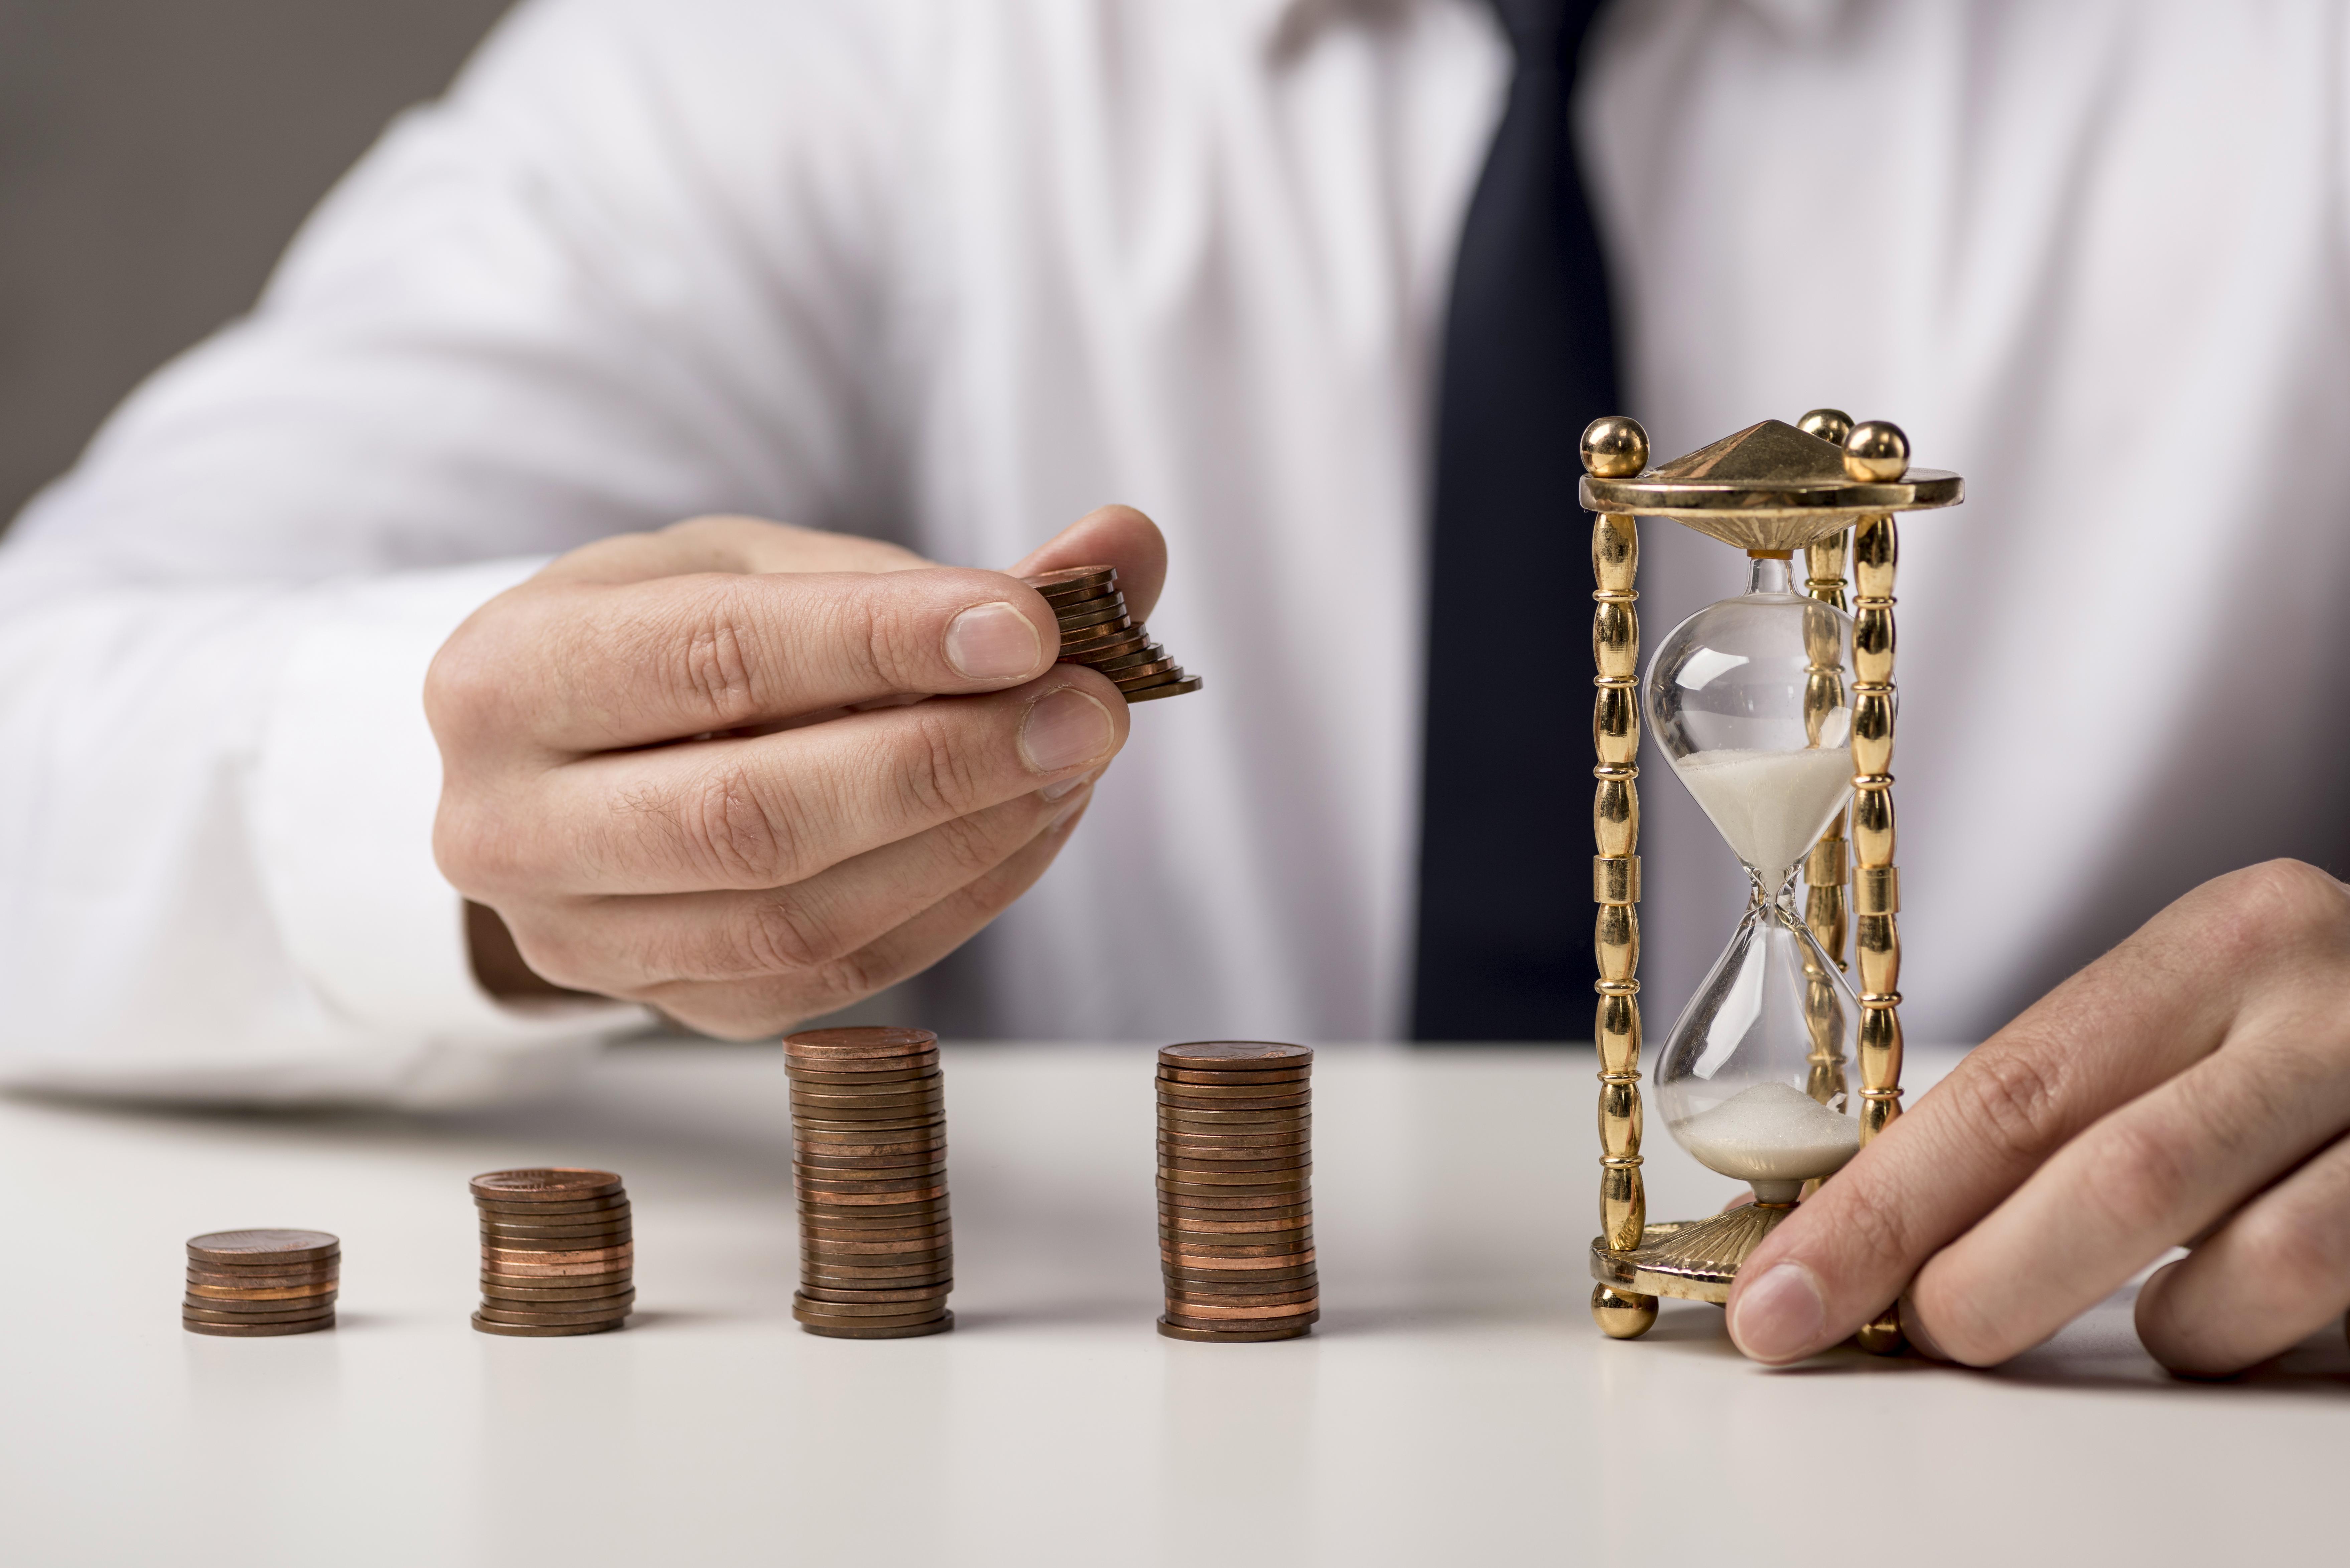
[780, 935]
[850, 977]
[2009, 1100]
[727, 828]
[940, 778]
[2300, 1259]
[714, 663]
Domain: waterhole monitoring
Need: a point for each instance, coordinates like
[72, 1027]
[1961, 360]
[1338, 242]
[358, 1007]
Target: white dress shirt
[955, 270]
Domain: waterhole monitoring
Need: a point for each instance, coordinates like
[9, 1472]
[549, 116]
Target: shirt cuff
[344, 790]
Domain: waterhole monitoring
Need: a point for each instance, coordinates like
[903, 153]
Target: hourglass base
[1696, 1259]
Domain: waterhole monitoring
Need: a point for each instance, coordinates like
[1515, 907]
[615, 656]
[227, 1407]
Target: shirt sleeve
[626, 272]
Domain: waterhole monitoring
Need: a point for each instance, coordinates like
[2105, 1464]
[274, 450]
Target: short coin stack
[557, 1254]
[869, 1160]
[1235, 1190]
[1097, 632]
[255, 1284]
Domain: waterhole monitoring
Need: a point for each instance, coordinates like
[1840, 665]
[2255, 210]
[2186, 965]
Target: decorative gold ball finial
[1615, 447]
[1831, 425]
[1877, 452]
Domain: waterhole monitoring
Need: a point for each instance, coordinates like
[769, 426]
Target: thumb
[1113, 536]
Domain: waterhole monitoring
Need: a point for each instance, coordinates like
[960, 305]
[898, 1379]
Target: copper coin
[816, 1218]
[814, 1160]
[863, 1040]
[922, 1293]
[1213, 1336]
[1209, 1117]
[866, 1118]
[1288, 1244]
[866, 1144]
[940, 1275]
[1176, 1265]
[519, 1295]
[206, 1315]
[556, 1274]
[1195, 1317]
[832, 1200]
[1149, 654]
[579, 1285]
[876, 1129]
[1283, 1190]
[1087, 614]
[545, 1329]
[917, 1305]
[256, 1330]
[263, 1247]
[1065, 610]
[867, 1152]
[1070, 580]
[544, 1241]
[887, 1188]
[1236, 1074]
[1177, 1157]
[821, 1178]
[1152, 694]
[1276, 1232]
[489, 1314]
[1172, 1206]
[264, 1293]
[846, 1251]
[1158, 674]
[1117, 642]
[256, 1279]
[1273, 1141]
[904, 1320]
[1190, 1301]
[867, 1266]
[1233, 1056]
[1227, 1291]
[553, 1213]
[864, 1069]
[1175, 1092]
[614, 1253]
[863, 1078]
[914, 1100]
[863, 1233]
[1243, 1176]
[1233, 1226]
[828, 1331]
[545, 1184]
[265, 1265]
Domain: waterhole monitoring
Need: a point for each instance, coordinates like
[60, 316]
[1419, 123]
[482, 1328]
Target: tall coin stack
[1235, 1190]
[869, 1160]
[1097, 632]
[557, 1254]
[256, 1284]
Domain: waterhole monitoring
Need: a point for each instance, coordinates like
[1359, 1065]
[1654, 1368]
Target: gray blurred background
[155, 156]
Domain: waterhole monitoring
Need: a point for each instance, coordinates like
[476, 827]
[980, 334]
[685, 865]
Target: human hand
[695, 768]
[2189, 1088]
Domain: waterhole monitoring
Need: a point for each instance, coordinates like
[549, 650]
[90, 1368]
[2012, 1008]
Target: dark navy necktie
[1503, 947]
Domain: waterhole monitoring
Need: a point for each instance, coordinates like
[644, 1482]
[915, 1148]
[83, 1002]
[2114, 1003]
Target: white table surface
[1454, 1406]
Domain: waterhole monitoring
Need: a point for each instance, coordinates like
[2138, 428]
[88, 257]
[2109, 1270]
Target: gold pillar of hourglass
[1769, 489]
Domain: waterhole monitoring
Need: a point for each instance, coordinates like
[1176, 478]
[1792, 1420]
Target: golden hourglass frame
[1823, 486]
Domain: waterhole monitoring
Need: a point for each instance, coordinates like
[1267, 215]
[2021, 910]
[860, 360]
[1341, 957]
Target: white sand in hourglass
[1772, 1136]
[1769, 806]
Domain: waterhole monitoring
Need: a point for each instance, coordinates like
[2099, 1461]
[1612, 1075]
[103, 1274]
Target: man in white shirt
[949, 276]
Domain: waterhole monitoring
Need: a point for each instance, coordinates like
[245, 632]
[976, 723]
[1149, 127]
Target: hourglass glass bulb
[1750, 706]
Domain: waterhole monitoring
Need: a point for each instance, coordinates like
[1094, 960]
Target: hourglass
[1752, 710]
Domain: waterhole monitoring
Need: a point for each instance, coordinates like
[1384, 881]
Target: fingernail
[1780, 1317]
[1063, 729]
[1054, 792]
[991, 642]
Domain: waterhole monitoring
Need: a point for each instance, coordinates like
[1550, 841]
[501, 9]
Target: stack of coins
[557, 1256]
[869, 1160]
[1097, 632]
[1235, 1190]
[252, 1284]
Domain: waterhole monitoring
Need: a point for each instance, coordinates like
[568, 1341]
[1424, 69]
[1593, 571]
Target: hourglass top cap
[1769, 487]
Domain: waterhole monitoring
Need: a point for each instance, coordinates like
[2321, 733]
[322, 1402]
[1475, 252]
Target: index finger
[2133, 1019]
[580, 667]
